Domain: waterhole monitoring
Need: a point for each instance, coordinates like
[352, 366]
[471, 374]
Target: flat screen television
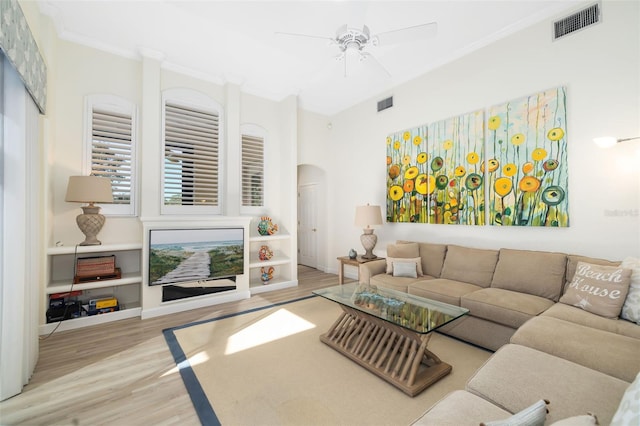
[195, 255]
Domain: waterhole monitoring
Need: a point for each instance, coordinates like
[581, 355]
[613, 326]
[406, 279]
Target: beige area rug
[268, 367]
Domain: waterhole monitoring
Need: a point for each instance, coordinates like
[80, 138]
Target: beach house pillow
[631, 307]
[406, 252]
[405, 269]
[598, 289]
[534, 415]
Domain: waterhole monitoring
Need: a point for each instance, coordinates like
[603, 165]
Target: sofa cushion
[582, 420]
[515, 375]
[631, 307]
[405, 250]
[417, 264]
[460, 408]
[598, 289]
[469, 265]
[443, 290]
[394, 283]
[609, 353]
[432, 256]
[580, 316]
[505, 307]
[533, 272]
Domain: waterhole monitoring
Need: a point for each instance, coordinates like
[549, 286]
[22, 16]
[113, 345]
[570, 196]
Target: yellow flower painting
[527, 137]
[456, 150]
[407, 182]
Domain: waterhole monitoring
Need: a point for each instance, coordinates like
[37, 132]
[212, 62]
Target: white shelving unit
[127, 289]
[280, 244]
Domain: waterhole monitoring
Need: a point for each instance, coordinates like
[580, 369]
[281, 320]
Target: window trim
[117, 105]
[193, 99]
[254, 130]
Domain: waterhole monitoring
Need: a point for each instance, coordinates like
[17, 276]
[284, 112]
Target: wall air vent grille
[576, 21]
[385, 103]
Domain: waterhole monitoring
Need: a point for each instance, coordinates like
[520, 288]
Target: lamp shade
[89, 189]
[367, 216]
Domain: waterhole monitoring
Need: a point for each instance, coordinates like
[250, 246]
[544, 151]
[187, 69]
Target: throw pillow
[631, 307]
[628, 412]
[405, 250]
[534, 415]
[598, 289]
[405, 269]
[583, 420]
[416, 260]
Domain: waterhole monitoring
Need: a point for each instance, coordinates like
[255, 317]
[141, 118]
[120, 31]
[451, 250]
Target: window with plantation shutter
[110, 149]
[252, 171]
[191, 138]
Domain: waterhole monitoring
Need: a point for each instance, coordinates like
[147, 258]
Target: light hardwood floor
[123, 372]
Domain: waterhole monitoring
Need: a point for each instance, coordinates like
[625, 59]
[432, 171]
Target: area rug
[267, 366]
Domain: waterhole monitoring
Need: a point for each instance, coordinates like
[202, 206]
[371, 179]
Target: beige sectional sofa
[546, 348]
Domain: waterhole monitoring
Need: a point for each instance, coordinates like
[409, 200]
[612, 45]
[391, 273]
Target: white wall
[600, 67]
[75, 71]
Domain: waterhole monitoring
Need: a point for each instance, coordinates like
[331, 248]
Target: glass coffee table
[387, 332]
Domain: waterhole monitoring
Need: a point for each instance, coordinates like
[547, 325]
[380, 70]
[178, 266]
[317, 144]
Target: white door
[308, 225]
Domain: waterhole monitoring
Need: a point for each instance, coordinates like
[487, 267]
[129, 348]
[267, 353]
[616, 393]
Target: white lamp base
[368, 240]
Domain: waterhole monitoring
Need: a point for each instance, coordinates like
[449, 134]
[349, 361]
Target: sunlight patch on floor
[199, 358]
[278, 325]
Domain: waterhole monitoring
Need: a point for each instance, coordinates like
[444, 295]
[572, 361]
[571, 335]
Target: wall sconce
[366, 217]
[609, 141]
[89, 189]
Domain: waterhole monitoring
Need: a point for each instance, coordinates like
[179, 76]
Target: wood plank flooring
[123, 372]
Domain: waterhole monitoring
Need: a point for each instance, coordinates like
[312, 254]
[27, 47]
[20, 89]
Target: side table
[346, 260]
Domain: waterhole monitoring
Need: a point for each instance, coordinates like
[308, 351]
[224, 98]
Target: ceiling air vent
[385, 103]
[577, 21]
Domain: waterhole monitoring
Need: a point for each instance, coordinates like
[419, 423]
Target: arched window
[253, 168]
[191, 136]
[110, 149]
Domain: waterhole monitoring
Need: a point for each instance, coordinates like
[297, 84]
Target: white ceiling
[235, 41]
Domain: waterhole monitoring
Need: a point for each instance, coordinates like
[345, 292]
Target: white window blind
[191, 154]
[111, 151]
[252, 171]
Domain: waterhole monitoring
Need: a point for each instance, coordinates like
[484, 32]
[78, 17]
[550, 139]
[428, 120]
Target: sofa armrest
[369, 269]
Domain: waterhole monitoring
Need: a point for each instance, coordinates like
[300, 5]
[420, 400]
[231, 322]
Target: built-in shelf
[127, 289]
[280, 244]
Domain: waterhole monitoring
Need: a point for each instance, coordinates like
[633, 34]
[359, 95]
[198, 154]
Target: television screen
[195, 255]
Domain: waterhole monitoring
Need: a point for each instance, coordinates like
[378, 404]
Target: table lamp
[89, 189]
[366, 217]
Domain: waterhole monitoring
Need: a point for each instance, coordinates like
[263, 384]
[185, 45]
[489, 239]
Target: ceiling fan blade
[365, 56]
[279, 33]
[417, 32]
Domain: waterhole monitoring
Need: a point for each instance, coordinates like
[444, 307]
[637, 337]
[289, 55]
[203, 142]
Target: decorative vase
[265, 253]
[266, 274]
[266, 227]
[90, 223]
[353, 254]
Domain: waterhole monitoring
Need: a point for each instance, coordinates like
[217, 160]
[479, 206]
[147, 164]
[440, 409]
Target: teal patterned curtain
[20, 48]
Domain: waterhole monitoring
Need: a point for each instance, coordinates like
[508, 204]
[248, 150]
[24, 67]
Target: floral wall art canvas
[407, 183]
[455, 151]
[527, 161]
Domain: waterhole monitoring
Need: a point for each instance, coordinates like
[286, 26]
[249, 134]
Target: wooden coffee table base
[394, 353]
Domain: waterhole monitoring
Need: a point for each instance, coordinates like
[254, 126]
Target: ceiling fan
[356, 41]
